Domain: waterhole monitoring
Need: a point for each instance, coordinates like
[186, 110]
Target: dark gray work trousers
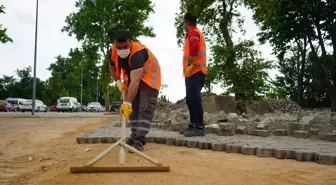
[194, 85]
[143, 107]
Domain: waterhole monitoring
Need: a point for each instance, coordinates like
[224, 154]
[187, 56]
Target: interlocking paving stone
[280, 147]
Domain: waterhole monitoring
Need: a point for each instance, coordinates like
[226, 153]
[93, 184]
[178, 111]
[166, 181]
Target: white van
[66, 104]
[16, 102]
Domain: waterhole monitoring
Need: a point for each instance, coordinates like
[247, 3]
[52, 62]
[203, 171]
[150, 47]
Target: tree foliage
[4, 38]
[96, 20]
[300, 32]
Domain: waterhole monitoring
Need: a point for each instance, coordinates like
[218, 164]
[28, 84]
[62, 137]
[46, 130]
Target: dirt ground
[41, 150]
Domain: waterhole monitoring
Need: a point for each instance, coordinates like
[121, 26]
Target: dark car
[7, 107]
[115, 106]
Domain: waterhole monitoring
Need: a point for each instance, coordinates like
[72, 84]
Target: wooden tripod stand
[123, 145]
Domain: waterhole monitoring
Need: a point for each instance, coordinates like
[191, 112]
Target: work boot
[190, 127]
[138, 145]
[194, 132]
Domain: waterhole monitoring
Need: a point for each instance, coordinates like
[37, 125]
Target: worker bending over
[194, 66]
[141, 73]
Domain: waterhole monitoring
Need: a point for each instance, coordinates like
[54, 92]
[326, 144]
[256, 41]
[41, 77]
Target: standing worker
[141, 74]
[194, 67]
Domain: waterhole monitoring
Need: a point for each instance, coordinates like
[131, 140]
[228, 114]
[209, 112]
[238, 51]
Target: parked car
[115, 106]
[16, 102]
[39, 106]
[7, 107]
[53, 108]
[83, 108]
[66, 104]
[94, 106]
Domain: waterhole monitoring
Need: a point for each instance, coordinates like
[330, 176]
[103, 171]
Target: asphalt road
[58, 114]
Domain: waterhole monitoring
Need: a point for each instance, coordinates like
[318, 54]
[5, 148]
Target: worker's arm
[134, 85]
[137, 63]
[194, 40]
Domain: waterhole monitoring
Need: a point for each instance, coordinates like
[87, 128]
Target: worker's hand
[126, 109]
[188, 70]
[121, 86]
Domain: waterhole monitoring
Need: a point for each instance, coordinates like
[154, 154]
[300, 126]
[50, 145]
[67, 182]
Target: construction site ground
[41, 150]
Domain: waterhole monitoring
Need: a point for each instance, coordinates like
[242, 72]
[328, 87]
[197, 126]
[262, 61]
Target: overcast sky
[20, 22]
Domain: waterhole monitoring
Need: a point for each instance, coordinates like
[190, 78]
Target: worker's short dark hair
[121, 36]
[190, 18]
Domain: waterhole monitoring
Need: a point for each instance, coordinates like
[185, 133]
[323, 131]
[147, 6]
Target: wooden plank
[83, 169]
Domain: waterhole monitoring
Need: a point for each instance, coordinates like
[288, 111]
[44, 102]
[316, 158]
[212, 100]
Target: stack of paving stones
[280, 147]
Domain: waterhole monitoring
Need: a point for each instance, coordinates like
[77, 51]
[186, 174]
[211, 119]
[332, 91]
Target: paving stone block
[233, 148]
[218, 146]
[300, 134]
[225, 132]
[81, 140]
[160, 140]
[115, 139]
[110, 140]
[262, 126]
[327, 136]
[313, 131]
[104, 140]
[204, 145]
[301, 155]
[333, 121]
[261, 133]
[248, 150]
[241, 130]
[181, 142]
[280, 132]
[293, 126]
[192, 144]
[154, 125]
[209, 129]
[283, 153]
[92, 140]
[175, 126]
[150, 139]
[163, 126]
[325, 158]
[264, 152]
[227, 126]
[170, 141]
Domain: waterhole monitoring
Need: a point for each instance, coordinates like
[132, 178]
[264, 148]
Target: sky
[20, 23]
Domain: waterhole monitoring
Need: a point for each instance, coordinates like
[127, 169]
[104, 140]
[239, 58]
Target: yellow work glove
[121, 86]
[188, 70]
[126, 109]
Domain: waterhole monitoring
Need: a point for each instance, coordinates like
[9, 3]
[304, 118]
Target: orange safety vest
[151, 71]
[199, 60]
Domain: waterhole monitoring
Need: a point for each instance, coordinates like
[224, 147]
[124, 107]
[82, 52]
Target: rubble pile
[263, 118]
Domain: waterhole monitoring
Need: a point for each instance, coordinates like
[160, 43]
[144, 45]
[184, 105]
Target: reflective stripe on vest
[156, 64]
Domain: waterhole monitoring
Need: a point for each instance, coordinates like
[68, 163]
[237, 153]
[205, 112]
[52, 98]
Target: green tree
[297, 25]
[210, 77]
[232, 61]
[4, 38]
[96, 20]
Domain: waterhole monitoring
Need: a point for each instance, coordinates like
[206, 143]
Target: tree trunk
[333, 39]
[301, 68]
[107, 98]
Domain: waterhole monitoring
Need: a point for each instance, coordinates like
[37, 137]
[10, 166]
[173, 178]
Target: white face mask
[124, 53]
